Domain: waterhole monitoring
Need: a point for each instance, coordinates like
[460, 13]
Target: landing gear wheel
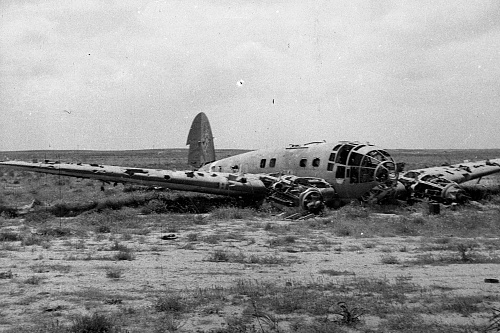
[311, 200]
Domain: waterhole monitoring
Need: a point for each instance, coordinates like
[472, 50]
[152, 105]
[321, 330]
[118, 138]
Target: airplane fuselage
[351, 168]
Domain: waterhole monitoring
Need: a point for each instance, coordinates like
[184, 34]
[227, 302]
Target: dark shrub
[9, 236]
[94, 323]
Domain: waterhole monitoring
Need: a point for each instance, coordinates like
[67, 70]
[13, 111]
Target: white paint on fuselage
[288, 161]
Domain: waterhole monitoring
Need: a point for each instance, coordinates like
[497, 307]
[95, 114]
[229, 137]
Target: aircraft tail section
[201, 142]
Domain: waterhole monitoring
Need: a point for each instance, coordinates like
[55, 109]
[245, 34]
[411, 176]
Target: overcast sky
[133, 74]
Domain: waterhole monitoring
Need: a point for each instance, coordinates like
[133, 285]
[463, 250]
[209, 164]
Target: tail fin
[200, 141]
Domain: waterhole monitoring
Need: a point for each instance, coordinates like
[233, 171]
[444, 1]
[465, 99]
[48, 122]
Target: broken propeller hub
[438, 189]
[386, 175]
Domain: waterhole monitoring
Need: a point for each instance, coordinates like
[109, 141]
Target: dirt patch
[222, 271]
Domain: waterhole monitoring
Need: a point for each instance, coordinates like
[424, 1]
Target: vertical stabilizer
[201, 142]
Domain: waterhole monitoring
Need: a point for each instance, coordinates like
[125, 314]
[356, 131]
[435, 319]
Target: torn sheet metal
[442, 183]
[196, 181]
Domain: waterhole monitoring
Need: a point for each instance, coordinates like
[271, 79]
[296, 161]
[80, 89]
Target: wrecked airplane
[309, 176]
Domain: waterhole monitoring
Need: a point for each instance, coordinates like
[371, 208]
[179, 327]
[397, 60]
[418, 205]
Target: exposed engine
[434, 188]
[309, 193]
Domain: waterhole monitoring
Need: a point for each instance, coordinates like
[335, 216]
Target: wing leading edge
[304, 192]
[196, 181]
[457, 173]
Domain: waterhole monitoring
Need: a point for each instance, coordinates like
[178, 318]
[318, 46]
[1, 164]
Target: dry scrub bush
[124, 255]
[9, 236]
[114, 273]
[95, 323]
[389, 259]
[171, 302]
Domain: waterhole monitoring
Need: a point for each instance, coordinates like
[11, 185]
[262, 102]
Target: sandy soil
[69, 277]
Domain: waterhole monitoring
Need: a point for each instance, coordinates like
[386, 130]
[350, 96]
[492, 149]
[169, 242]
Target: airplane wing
[196, 181]
[309, 193]
[441, 183]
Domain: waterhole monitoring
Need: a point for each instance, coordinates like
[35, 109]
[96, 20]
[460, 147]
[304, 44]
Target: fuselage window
[366, 175]
[315, 162]
[330, 167]
[355, 159]
[343, 153]
[332, 157]
[354, 175]
[340, 172]
[303, 162]
[336, 147]
[386, 154]
[263, 163]
[376, 155]
[272, 162]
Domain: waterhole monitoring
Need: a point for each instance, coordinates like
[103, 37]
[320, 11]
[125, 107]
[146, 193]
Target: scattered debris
[53, 309]
[434, 208]
[304, 215]
[169, 237]
[348, 316]
[113, 301]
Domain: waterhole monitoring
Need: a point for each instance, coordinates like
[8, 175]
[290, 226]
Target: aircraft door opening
[342, 157]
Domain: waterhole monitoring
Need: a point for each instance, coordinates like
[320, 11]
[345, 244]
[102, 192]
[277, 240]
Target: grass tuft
[171, 303]
[114, 273]
[95, 323]
[54, 232]
[218, 256]
[333, 272]
[281, 241]
[34, 280]
[389, 259]
[9, 236]
[124, 255]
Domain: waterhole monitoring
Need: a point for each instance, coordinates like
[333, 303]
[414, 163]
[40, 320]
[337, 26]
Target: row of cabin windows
[272, 163]
[302, 163]
[355, 159]
[358, 174]
[341, 153]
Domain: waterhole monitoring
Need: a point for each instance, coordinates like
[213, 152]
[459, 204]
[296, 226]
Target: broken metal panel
[457, 173]
[442, 183]
[309, 193]
[351, 180]
[213, 183]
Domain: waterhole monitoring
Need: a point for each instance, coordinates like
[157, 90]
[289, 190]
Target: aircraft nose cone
[386, 173]
[386, 176]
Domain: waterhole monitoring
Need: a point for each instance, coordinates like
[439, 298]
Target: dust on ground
[70, 275]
